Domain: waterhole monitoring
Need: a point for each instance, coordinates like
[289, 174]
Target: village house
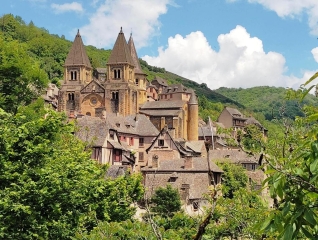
[103, 140]
[136, 133]
[233, 118]
[191, 176]
[247, 161]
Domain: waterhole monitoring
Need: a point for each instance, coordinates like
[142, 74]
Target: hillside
[270, 101]
[50, 50]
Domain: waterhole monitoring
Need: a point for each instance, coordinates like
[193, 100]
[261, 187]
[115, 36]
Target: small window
[141, 142]
[195, 205]
[111, 135]
[166, 96]
[161, 142]
[137, 81]
[253, 167]
[170, 95]
[141, 156]
[131, 141]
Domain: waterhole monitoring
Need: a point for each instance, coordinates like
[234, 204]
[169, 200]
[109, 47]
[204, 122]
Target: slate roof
[177, 165]
[101, 70]
[193, 99]
[161, 81]
[93, 130]
[120, 52]
[137, 124]
[232, 155]
[134, 55]
[115, 171]
[160, 113]
[77, 55]
[176, 88]
[163, 104]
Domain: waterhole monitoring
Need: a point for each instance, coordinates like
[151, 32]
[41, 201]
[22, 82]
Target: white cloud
[67, 7]
[138, 16]
[314, 52]
[294, 8]
[240, 61]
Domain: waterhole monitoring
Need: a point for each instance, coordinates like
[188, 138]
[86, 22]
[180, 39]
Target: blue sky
[230, 43]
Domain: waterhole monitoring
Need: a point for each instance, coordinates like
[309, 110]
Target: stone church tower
[122, 92]
[193, 121]
[125, 86]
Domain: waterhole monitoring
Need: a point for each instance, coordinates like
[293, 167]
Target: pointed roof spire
[77, 54]
[193, 99]
[134, 55]
[120, 52]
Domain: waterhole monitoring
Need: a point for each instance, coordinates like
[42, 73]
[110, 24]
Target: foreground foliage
[49, 186]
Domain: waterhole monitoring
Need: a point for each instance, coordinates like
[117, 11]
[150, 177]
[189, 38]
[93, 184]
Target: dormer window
[161, 142]
[137, 81]
[117, 124]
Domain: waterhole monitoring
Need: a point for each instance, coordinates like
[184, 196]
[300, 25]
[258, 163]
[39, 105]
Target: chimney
[188, 162]
[155, 161]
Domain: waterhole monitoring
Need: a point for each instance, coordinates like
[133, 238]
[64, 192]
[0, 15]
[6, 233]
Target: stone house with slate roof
[136, 133]
[106, 147]
[233, 118]
[249, 162]
[190, 176]
[175, 92]
[160, 84]
[152, 93]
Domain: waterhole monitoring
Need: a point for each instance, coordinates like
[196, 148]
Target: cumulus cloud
[240, 62]
[293, 8]
[67, 7]
[138, 16]
[314, 52]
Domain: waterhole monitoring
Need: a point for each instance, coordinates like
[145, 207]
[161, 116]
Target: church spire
[134, 55]
[120, 52]
[77, 55]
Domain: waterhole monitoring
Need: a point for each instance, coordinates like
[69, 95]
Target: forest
[51, 189]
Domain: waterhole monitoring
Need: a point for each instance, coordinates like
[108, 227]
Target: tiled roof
[115, 171]
[93, 130]
[158, 113]
[177, 165]
[137, 124]
[232, 155]
[163, 104]
[101, 70]
[177, 88]
[234, 112]
[134, 56]
[161, 81]
[77, 55]
[120, 52]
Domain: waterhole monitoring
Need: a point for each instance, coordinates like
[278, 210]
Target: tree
[166, 200]
[292, 166]
[21, 79]
[49, 186]
[233, 178]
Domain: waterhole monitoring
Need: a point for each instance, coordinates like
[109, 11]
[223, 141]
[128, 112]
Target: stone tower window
[137, 81]
[71, 96]
[73, 75]
[117, 73]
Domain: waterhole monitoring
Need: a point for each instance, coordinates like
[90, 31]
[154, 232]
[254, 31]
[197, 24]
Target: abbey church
[123, 89]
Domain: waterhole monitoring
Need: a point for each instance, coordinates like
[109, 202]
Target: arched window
[115, 73]
[118, 73]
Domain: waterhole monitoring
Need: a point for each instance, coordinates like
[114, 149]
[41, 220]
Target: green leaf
[288, 232]
[307, 233]
[267, 223]
[311, 79]
[309, 217]
[314, 166]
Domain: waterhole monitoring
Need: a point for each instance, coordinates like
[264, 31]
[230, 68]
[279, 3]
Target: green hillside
[50, 51]
[270, 101]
